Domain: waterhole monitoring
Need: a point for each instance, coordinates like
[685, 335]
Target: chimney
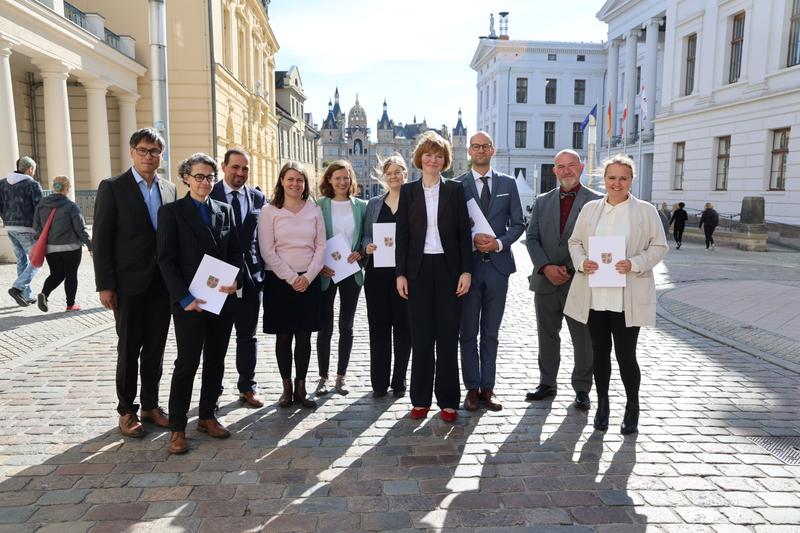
[503, 25]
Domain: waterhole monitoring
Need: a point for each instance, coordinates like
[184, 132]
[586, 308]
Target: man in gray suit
[492, 264]
[551, 223]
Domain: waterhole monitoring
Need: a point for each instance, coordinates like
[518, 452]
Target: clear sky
[414, 53]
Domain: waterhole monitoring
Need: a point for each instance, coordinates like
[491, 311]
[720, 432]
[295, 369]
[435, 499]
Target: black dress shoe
[399, 393]
[541, 392]
[601, 415]
[582, 401]
[378, 393]
[630, 422]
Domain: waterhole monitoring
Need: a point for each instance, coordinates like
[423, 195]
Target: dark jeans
[198, 334]
[603, 326]
[709, 231]
[677, 232]
[302, 353]
[63, 267]
[348, 291]
[387, 314]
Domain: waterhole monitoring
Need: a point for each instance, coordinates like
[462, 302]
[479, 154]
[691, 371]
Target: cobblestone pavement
[360, 464]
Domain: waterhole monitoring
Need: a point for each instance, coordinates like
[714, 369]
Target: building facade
[729, 125]
[298, 139]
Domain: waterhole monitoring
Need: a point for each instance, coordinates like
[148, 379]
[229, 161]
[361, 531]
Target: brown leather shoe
[490, 400]
[177, 442]
[130, 426]
[156, 416]
[471, 402]
[213, 428]
[252, 399]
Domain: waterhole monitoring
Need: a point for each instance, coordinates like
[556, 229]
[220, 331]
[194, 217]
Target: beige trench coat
[646, 246]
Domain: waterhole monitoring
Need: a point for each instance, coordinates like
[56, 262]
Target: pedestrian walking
[291, 237]
[19, 196]
[617, 312]
[387, 312]
[128, 279]
[188, 230]
[343, 214]
[551, 223]
[66, 237]
[433, 256]
[709, 220]
[492, 264]
[678, 223]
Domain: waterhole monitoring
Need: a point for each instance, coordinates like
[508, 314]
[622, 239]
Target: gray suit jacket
[546, 245]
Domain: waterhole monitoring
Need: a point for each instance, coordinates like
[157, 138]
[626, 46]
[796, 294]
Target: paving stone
[116, 511]
[169, 509]
[55, 497]
[392, 488]
[219, 508]
[387, 521]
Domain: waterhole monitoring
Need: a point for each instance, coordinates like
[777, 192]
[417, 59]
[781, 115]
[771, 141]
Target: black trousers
[677, 232]
[348, 291]
[603, 326]
[63, 267]
[198, 334]
[435, 318]
[387, 314]
[709, 231]
[142, 322]
[246, 323]
[302, 353]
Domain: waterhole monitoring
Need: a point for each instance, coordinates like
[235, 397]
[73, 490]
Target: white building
[533, 97]
[730, 120]
[635, 68]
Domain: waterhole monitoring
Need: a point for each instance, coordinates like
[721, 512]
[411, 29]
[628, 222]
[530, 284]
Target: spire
[459, 130]
[384, 105]
[415, 119]
[336, 94]
[356, 98]
[330, 107]
[384, 123]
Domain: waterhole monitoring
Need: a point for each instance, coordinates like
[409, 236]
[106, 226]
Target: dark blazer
[183, 239]
[123, 238]
[505, 216]
[412, 224]
[545, 244]
[248, 238]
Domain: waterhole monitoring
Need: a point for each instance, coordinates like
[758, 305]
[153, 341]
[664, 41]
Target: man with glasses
[247, 203]
[129, 281]
[552, 221]
[492, 264]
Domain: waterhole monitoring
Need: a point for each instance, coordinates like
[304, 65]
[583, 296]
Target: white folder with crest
[383, 236]
[210, 276]
[336, 254]
[606, 251]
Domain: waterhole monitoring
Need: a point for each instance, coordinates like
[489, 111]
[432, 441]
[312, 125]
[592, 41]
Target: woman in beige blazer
[614, 312]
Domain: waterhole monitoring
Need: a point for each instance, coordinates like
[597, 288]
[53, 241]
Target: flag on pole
[644, 106]
[592, 113]
[608, 122]
[624, 118]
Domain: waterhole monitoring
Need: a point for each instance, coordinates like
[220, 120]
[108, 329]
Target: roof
[459, 129]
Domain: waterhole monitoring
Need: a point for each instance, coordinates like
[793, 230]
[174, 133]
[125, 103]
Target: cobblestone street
[720, 368]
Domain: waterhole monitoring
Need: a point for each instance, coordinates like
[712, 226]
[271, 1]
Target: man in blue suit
[492, 264]
[247, 203]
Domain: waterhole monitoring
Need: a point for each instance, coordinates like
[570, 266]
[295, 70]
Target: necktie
[237, 208]
[486, 195]
[562, 194]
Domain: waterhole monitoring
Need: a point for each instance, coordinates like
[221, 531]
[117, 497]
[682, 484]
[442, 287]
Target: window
[548, 179]
[580, 92]
[577, 136]
[550, 91]
[480, 99]
[638, 80]
[737, 44]
[494, 92]
[780, 152]
[794, 35]
[522, 90]
[723, 158]
[519, 171]
[549, 134]
[677, 175]
[551, 57]
[520, 134]
[581, 57]
[691, 54]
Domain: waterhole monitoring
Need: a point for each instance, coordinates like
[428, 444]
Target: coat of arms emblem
[212, 282]
[388, 241]
[336, 256]
[605, 257]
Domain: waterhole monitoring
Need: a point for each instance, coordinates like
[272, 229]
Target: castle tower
[459, 142]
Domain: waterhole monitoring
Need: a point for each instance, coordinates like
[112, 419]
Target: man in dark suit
[552, 221]
[128, 279]
[492, 264]
[246, 203]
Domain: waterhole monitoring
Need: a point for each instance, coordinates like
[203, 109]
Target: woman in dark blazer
[187, 230]
[433, 260]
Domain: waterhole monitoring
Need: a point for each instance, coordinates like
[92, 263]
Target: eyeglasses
[153, 152]
[397, 174]
[484, 147]
[200, 178]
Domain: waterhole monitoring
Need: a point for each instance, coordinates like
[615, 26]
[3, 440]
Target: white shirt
[479, 185]
[615, 220]
[342, 220]
[433, 242]
[244, 206]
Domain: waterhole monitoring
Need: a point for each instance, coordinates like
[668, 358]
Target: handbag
[39, 248]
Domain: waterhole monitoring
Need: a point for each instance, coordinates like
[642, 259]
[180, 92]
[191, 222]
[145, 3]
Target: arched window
[226, 37]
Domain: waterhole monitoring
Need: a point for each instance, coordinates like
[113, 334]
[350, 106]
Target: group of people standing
[709, 220]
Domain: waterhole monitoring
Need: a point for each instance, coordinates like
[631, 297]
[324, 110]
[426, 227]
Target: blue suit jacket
[505, 216]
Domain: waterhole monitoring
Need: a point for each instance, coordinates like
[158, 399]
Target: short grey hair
[185, 168]
[24, 163]
[571, 152]
[620, 159]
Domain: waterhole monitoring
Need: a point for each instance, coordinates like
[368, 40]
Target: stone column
[57, 128]
[127, 125]
[97, 115]
[650, 67]
[9, 148]
[631, 42]
[611, 82]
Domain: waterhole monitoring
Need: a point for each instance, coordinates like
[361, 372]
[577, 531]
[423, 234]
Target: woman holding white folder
[617, 312]
[189, 229]
[387, 312]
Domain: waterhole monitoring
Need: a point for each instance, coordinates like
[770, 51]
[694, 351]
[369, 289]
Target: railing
[112, 39]
[727, 221]
[75, 15]
[85, 200]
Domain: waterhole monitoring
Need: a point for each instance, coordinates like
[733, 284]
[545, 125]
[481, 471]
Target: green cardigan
[359, 211]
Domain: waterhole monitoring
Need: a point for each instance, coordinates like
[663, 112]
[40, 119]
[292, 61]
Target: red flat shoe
[418, 413]
[448, 416]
